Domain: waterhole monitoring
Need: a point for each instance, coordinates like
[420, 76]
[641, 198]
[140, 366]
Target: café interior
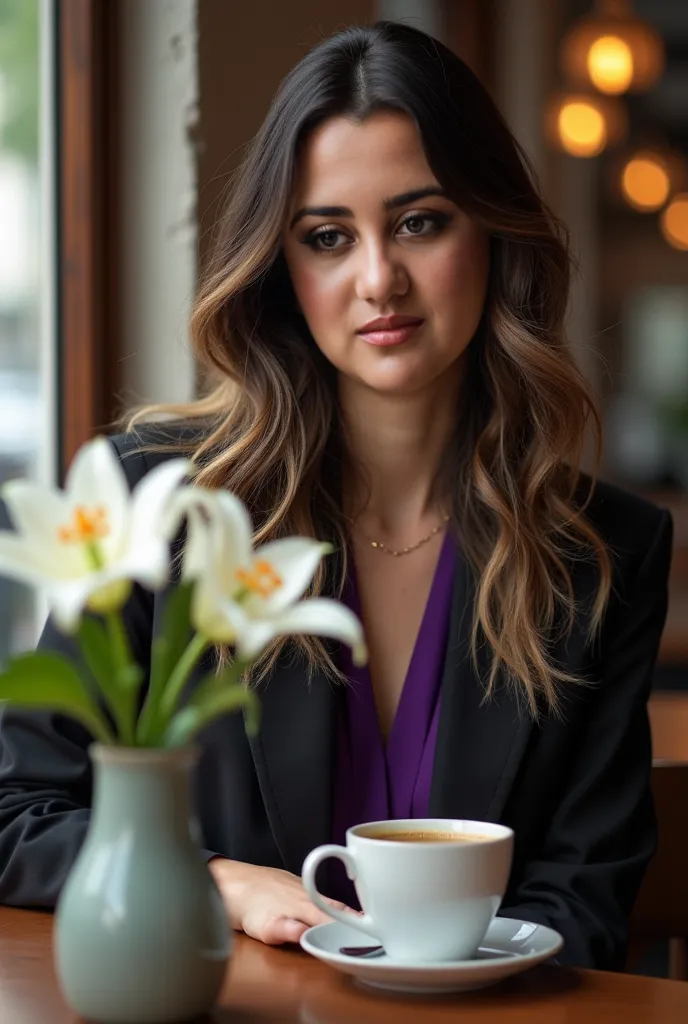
[110, 186]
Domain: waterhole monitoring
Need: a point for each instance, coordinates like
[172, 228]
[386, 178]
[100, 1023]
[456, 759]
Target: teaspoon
[361, 950]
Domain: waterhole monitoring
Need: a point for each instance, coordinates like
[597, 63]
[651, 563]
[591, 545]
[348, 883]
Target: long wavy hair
[269, 426]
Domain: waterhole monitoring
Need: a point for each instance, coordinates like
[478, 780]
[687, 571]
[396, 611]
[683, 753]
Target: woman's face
[371, 236]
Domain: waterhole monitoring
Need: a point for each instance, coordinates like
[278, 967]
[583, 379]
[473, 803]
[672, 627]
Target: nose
[381, 275]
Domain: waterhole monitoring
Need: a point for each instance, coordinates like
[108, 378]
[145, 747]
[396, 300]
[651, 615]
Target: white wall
[159, 110]
[527, 41]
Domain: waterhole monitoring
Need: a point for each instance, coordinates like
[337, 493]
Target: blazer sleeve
[585, 878]
[45, 770]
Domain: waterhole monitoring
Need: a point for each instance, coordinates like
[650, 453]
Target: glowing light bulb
[674, 222]
[610, 65]
[645, 182]
[582, 128]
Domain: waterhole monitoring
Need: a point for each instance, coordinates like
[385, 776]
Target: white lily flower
[248, 597]
[85, 544]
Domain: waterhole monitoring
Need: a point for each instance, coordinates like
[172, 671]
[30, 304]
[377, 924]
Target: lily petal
[37, 513]
[147, 564]
[96, 478]
[152, 496]
[33, 508]
[219, 537]
[294, 559]
[213, 616]
[318, 616]
[67, 602]
[254, 637]
[237, 524]
[21, 560]
[67, 599]
[198, 549]
[250, 635]
[206, 559]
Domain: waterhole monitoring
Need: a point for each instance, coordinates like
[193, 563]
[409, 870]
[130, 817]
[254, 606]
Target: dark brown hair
[270, 427]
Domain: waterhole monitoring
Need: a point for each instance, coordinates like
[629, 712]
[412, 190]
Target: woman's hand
[267, 903]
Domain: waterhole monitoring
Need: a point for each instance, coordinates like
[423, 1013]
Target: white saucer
[508, 948]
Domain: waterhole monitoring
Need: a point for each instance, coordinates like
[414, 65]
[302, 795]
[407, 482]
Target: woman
[384, 317]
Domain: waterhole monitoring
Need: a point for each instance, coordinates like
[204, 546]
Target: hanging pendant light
[613, 50]
[645, 182]
[647, 175]
[674, 222]
[585, 124]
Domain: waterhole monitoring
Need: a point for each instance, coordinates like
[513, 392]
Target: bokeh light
[582, 128]
[645, 182]
[610, 65]
[674, 222]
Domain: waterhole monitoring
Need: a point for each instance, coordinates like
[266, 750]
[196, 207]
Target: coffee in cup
[427, 837]
[429, 887]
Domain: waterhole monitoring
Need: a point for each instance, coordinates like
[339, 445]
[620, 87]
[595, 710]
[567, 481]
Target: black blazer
[575, 790]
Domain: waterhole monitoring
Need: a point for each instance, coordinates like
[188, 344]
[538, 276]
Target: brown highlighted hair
[269, 428]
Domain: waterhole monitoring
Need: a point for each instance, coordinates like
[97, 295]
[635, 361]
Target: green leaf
[171, 644]
[97, 652]
[209, 704]
[41, 679]
[127, 676]
[167, 649]
[95, 647]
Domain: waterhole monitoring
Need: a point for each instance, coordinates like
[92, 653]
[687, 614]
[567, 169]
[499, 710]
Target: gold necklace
[379, 546]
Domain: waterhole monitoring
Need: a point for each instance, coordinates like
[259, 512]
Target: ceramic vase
[141, 933]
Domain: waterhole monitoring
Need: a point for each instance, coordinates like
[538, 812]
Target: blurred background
[121, 124]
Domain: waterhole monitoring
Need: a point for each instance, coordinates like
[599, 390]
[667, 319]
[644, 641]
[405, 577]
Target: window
[27, 334]
[648, 415]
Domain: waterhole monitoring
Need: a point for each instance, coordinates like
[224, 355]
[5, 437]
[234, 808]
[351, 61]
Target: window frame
[87, 239]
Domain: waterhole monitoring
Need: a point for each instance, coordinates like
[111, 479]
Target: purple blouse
[373, 782]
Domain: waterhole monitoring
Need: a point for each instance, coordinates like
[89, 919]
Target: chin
[398, 384]
[406, 377]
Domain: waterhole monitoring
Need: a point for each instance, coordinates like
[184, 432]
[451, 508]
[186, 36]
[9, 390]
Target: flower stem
[179, 676]
[126, 672]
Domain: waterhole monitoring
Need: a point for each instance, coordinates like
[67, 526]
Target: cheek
[457, 280]
[320, 295]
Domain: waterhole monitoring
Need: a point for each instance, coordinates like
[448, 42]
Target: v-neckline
[444, 569]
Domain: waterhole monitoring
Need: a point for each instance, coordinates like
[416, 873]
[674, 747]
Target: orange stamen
[261, 578]
[86, 527]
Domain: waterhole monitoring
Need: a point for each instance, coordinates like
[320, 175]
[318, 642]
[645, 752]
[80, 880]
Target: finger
[334, 903]
[313, 915]
[278, 930]
[342, 906]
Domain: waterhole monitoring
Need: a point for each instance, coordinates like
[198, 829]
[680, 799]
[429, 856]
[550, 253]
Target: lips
[389, 331]
[390, 323]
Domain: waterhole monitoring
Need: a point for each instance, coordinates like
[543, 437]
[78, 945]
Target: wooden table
[284, 985]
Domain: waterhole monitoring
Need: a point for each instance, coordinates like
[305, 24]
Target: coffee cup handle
[363, 922]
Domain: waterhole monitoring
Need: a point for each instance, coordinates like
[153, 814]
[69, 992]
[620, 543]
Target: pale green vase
[141, 933]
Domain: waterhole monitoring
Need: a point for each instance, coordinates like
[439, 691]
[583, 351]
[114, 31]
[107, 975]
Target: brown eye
[324, 240]
[415, 225]
[424, 224]
[328, 239]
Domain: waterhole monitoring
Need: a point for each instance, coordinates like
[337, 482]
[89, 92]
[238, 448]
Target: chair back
[661, 911]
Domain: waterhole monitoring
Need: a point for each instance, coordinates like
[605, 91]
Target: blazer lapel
[479, 742]
[293, 758]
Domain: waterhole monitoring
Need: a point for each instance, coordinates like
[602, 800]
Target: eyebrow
[392, 203]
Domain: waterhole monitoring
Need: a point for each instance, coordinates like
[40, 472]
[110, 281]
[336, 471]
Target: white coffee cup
[423, 900]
